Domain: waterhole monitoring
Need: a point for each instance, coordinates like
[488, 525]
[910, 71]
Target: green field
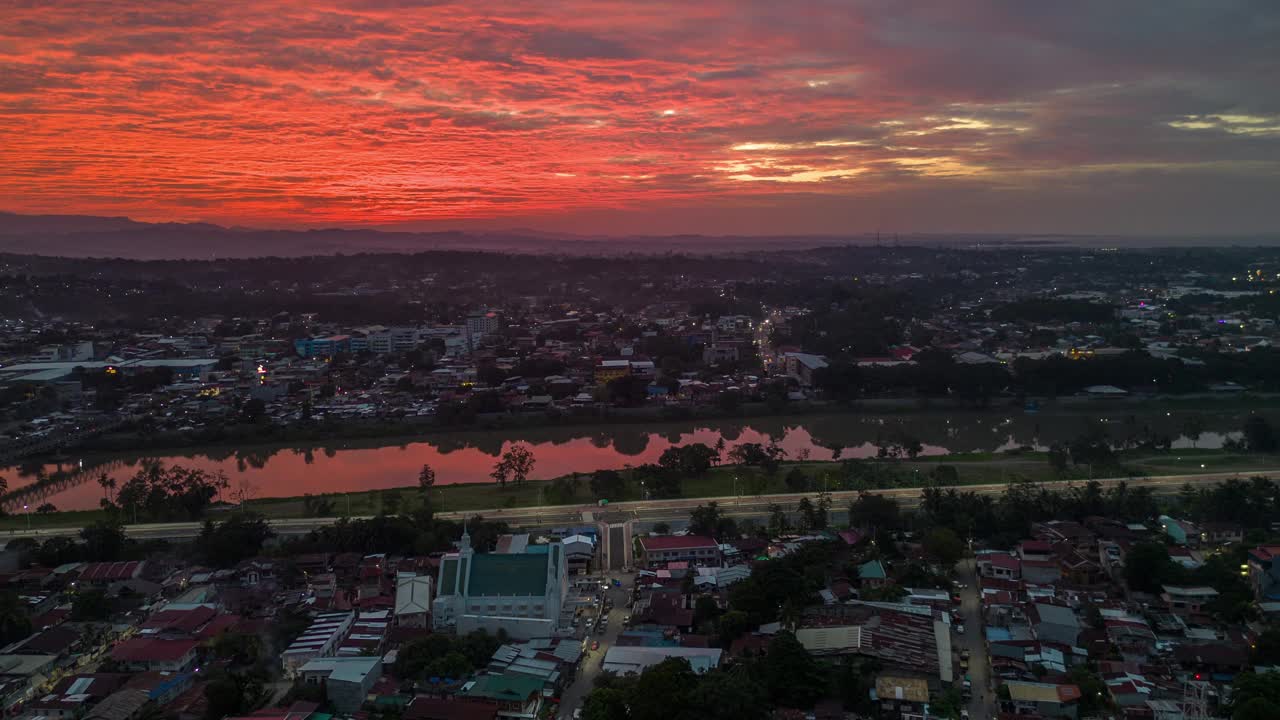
[972, 468]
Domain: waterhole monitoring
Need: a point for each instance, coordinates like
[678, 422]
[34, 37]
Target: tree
[607, 484]
[104, 541]
[661, 528]
[1058, 458]
[662, 687]
[778, 522]
[426, 480]
[1147, 566]
[796, 480]
[946, 475]
[231, 694]
[254, 410]
[89, 606]
[1259, 437]
[944, 546]
[791, 676]
[805, 513]
[515, 464]
[14, 623]
[1193, 427]
[872, 510]
[694, 459]
[1254, 693]
[239, 537]
[708, 520]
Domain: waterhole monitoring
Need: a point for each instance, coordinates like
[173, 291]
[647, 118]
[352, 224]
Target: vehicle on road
[595, 645]
[960, 628]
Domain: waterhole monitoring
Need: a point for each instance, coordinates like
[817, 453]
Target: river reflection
[468, 457]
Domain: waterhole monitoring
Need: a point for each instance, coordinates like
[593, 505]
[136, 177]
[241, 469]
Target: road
[645, 510]
[979, 672]
[589, 669]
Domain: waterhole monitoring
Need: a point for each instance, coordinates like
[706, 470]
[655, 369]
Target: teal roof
[508, 687]
[872, 570]
[448, 572]
[494, 574]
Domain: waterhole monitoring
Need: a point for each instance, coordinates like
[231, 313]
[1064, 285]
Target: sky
[700, 116]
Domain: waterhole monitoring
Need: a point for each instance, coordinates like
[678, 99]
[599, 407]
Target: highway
[648, 511]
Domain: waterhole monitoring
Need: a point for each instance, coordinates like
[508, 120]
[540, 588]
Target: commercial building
[160, 654]
[325, 347]
[347, 680]
[695, 549]
[1264, 573]
[910, 637]
[320, 640]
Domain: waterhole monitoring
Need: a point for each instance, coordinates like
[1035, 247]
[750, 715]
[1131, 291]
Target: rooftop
[676, 542]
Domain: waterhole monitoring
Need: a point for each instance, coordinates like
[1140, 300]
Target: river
[468, 457]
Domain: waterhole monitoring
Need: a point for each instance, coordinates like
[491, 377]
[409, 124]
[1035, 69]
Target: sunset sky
[715, 116]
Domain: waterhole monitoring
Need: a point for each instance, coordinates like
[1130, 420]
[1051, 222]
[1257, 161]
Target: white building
[521, 593]
[319, 641]
[413, 600]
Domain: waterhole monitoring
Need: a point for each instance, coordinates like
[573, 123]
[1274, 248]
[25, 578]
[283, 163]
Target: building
[517, 696]
[1264, 573]
[159, 654]
[479, 326]
[322, 347]
[633, 660]
[122, 705]
[694, 549]
[413, 600]
[903, 697]
[909, 637]
[72, 695]
[1043, 699]
[1054, 623]
[522, 593]
[319, 640]
[347, 680]
[802, 366]
[1186, 601]
[607, 370]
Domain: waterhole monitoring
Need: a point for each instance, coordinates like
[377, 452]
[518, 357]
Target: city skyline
[719, 118]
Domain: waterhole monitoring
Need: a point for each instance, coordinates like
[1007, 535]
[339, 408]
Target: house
[105, 573]
[1187, 601]
[413, 600]
[517, 696]
[73, 695]
[1181, 532]
[1054, 623]
[160, 654]
[347, 680]
[1043, 699]
[658, 550]
[1000, 565]
[871, 574]
[1264, 573]
[122, 705]
[20, 675]
[632, 660]
[903, 697]
[1221, 533]
[519, 592]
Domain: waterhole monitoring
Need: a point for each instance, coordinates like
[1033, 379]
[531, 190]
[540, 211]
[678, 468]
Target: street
[589, 669]
[982, 705]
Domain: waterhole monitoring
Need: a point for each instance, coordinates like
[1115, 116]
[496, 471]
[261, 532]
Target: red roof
[151, 650]
[110, 571]
[218, 625]
[676, 542]
[187, 621]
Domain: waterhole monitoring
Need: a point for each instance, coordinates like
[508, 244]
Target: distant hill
[119, 237]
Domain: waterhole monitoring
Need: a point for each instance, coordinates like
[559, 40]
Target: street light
[27, 509]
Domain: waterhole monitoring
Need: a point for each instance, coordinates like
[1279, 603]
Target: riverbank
[247, 437]
[721, 481]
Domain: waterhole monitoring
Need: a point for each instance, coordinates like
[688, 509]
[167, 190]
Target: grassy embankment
[972, 468]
